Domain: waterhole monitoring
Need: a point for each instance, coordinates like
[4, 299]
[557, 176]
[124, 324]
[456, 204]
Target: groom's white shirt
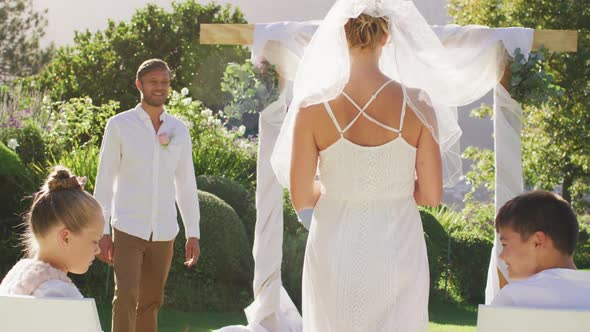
[549, 289]
[139, 179]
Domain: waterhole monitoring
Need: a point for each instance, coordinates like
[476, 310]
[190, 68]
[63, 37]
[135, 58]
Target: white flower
[242, 144]
[217, 122]
[207, 112]
[183, 119]
[187, 101]
[221, 114]
[184, 91]
[13, 144]
[241, 130]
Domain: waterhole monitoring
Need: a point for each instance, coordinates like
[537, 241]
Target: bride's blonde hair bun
[366, 31]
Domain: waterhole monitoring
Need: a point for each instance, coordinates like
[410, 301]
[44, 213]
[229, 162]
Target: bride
[366, 267]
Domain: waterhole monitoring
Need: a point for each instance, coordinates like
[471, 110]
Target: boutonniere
[165, 139]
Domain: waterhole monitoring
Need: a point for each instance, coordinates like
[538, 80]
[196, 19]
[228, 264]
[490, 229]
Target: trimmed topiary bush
[222, 279]
[234, 194]
[225, 254]
[15, 184]
[470, 256]
[292, 265]
[436, 245]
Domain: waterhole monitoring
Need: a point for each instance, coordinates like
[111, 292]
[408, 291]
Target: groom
[145, 168]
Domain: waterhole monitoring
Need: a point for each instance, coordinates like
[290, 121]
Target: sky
[67, 16]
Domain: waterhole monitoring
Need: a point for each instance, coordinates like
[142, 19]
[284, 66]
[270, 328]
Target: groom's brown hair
[151, 65]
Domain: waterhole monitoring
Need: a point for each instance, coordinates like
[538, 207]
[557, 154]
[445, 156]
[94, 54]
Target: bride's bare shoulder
[311, 113]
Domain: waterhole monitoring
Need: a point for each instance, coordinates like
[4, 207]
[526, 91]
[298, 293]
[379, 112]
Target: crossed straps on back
[364, 108]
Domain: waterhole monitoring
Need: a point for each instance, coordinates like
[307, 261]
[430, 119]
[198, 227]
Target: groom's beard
[155, 101]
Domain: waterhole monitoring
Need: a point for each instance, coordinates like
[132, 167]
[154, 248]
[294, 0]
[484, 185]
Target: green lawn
[444, 317]
[171, 320]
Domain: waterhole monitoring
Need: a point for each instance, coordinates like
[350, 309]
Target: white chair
[29, 314]
[515, 319]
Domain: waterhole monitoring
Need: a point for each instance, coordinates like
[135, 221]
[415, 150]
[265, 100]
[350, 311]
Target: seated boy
[539, 232]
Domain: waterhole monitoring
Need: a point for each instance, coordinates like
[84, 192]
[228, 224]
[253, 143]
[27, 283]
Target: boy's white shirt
[139, 180]
[548, 289]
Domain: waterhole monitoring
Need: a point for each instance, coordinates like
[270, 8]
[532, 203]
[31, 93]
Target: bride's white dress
[366, 267]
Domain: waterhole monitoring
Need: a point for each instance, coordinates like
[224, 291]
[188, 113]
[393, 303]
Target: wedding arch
[282, 44]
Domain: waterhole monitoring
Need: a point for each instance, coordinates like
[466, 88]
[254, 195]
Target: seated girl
[64, 226]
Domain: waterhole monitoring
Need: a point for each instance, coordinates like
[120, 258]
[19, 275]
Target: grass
[444, 317]
[451, 317]
[172, 320]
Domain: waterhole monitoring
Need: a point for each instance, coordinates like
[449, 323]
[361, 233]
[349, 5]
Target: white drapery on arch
[282, 44]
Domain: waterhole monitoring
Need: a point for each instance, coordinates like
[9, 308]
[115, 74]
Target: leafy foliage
[77, 122]
[21, 28]
[251, 89]
[103, 65]
[556, 120]
[29, 137]
[216, 149]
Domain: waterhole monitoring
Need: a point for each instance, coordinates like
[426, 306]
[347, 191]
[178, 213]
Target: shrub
[77, 122]
[15, 184]
[470, 256]
[216, 150]
[225, 267]
[97, 283]
[292, 265]
[437, 241]
[82, 161]
[291, 223]
[234, 194]
[294, 244]
[582, 252]
[29, 136]
[250, 90]
[478, 218]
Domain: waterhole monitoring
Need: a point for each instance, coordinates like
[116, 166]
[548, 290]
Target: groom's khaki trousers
[141, 269]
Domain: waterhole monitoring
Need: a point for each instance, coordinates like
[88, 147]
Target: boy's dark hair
[543, 211]
[151, 65]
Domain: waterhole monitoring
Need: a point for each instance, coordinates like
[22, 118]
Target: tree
[556, 139]
[102, 65]
[21, 28]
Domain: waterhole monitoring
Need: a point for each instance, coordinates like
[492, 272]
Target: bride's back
[386, 109]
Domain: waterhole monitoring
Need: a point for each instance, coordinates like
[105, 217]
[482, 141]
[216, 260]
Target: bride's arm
[428, 185]
[305, 190]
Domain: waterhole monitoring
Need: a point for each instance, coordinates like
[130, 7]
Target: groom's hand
[192, 251]
[106, 249]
